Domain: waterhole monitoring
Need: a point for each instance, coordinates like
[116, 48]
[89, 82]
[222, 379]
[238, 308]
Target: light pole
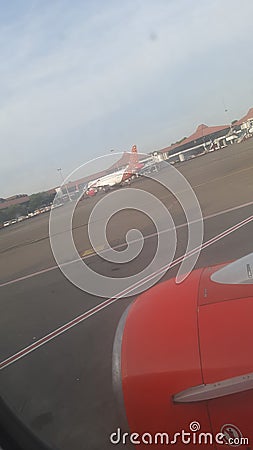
[63, 182]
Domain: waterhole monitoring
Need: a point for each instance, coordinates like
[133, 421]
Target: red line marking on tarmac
[30, 348]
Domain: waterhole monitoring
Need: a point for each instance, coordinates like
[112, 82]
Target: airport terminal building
[199, 142]
[207, 138]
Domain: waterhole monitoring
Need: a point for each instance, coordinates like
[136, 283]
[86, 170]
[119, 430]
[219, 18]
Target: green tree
[39, 200]
[13, 212]
[2, 216]
[36, 201]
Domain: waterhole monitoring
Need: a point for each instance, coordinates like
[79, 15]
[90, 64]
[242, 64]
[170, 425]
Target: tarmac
[56, 351]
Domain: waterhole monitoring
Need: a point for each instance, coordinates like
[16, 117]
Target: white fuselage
[108, 180]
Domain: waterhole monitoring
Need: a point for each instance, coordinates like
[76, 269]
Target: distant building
[207, 138]
[125, 160]
[245, 121]
[80, 185]
[244, 126]
[14, 200]
[204, 139]
[15, 197]
[197, 143]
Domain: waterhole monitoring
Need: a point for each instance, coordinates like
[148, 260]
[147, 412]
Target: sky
[81, 78]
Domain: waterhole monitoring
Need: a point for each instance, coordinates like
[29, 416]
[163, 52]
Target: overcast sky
[80, 78]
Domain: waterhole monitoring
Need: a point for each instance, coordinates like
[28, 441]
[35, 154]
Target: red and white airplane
[183, 360]
[117, 178]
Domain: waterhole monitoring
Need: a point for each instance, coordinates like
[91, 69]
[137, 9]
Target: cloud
[70, 69]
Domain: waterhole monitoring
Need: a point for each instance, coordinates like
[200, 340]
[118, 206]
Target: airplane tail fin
[134, 165]
[133, 159]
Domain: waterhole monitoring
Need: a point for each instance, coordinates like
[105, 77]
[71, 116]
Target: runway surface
[55, 349]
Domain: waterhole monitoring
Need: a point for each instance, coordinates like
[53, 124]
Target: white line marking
[48, 269]
[30, 348]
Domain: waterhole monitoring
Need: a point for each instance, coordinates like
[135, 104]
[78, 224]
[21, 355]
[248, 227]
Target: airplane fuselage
[113, 179]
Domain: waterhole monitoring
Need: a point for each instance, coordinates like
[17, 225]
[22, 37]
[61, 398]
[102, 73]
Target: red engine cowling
[182, 362]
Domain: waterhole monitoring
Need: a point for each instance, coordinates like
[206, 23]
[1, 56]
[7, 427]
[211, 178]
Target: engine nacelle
[182, 360]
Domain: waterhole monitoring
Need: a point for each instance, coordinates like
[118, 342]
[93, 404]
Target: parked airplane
[117, 178]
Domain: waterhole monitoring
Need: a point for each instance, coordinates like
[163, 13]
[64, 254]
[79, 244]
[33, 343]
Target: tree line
[36, 201]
